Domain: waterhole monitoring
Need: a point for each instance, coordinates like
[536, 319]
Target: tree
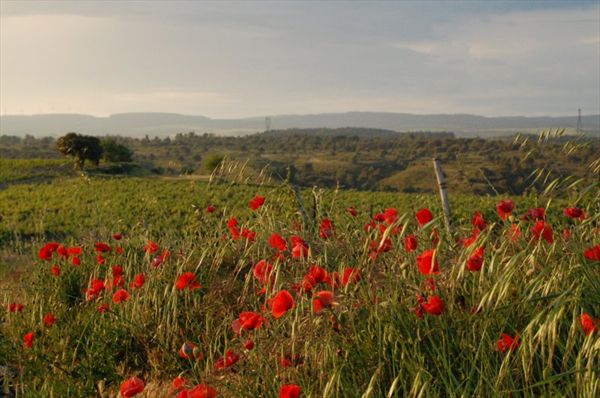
[81, 147]
[112, 151]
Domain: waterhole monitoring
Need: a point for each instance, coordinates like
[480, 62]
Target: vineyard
[154, 287]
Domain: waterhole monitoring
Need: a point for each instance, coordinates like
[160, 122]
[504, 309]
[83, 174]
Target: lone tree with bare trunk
[80, 147]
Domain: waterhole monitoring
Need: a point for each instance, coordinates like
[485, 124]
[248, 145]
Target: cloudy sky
[235, 59]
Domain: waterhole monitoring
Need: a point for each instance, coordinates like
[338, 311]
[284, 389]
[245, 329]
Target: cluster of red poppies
[320, 284]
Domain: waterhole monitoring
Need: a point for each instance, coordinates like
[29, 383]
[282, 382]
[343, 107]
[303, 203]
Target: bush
[114, 152]
[212, 162]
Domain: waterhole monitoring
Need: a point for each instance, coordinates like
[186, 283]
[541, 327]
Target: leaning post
[441, 181]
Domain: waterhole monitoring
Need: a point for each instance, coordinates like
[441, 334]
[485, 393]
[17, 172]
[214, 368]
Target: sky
[241, 59]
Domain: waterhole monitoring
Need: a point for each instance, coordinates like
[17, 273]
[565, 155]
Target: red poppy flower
[247, 320]
[187, 280]
[15, 307]
[351, 275]
[381, 246]
[28, 339]
[45, 254]
[49, 319]
[102, 247]
[62, 251]
[190, 351]
[249, 235]
[507, 342]
[55, 270]
[318, 274]
[300, 250]
[138, 281]
[410, 243]
[120, 296]
[504, 208]
[315, 276]
[322, 300]
[390, 215]
[262, 271]
[118, 281]
[210, 208]
[178, 383]
[352, 211]
[379, 217]
[75, 261]
[200, 391]
[249, 345]
[535, 214]
[541, 229]
[475, 260]
[593, 253]
[119, 250]
[47, 251]
[290, 391]
[132, 387]
[427, 264]
[117, 236]
[228, 360]
[151, 247]
[256, 202]
[589, 324]
[277, 242]
[326, 228]
[233, 229]
[281, 303]
[232, 222]
[117, 270]
[102, 308]
[161, 258]
[466, 242]
[423, 216]
[96, 287]
[574, 212]
[100, 259]
[566, 234]
[75, 251]
[433, 306]
[478, 221]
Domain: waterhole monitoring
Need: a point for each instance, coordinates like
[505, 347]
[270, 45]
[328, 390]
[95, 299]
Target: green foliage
[30, 170]
[378, 346]
[212, 162]
[80, 147]
[365, 159]
[113, 151]
[370, 344]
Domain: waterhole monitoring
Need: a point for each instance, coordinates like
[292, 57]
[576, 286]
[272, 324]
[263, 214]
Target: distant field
[19, 170]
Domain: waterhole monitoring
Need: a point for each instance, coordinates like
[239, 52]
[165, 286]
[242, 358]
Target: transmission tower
[267, 123]
[579, 124]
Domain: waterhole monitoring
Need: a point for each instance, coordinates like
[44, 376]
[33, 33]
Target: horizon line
[105, 116]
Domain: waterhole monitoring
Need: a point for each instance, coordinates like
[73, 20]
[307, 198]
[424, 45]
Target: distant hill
[351, 132]
[165, 124]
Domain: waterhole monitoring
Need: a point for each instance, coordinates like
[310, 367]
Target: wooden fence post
[441, 180]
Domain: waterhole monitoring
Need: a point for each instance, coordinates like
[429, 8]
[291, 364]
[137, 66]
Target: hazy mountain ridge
[164, 124]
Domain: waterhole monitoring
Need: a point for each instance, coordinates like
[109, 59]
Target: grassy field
[352, 309]
[30, 170]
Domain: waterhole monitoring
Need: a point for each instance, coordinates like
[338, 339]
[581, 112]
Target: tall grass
[371, 344]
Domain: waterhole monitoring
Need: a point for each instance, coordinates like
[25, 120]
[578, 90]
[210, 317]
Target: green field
[379, 337]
